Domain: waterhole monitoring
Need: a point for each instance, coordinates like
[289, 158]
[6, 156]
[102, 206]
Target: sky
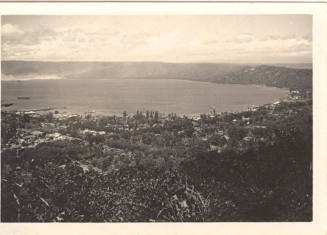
[167, 38]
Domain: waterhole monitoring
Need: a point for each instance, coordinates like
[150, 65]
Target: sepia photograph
[157, 118]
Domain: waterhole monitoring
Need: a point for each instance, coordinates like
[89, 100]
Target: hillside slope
[210, 72]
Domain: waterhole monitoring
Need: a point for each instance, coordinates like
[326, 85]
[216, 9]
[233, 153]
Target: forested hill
[271, 76]
[278, 76]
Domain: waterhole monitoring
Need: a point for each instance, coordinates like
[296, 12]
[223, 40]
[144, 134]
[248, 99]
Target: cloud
[242, 38]
[112, 42]
[211, 42]
[271, 37]
[13, 35]
[308, 37]
[9, 30]
[246, 47]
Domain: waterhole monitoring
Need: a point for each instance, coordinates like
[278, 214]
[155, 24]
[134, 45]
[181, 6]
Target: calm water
[113, 96]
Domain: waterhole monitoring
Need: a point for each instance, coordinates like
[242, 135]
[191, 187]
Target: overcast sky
[235, 39]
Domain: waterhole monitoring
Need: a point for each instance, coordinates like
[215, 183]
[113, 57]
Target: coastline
[123, 153]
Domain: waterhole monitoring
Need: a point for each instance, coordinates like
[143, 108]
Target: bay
[113, 96]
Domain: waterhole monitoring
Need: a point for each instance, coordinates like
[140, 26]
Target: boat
[7, 105]
[23, 97]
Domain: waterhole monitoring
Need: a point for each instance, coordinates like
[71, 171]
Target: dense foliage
[248, 166]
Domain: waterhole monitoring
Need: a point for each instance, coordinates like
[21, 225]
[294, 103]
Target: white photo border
[319, 13]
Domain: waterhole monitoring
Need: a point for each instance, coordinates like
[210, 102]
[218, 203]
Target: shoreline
[65, 111]
[136, 151]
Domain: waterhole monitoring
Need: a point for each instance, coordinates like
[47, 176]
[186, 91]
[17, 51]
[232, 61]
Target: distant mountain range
[288, 76]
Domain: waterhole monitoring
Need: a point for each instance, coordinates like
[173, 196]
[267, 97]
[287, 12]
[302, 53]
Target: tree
[156, 115]
[49, 117]
[237, 133]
